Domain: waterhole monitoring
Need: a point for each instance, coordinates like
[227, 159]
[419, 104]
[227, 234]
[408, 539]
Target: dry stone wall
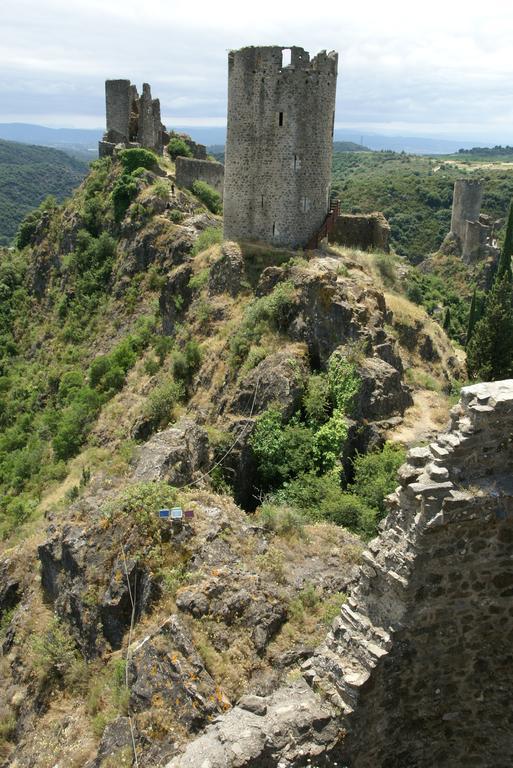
[189, 170]
[279, 144]
[417, 670]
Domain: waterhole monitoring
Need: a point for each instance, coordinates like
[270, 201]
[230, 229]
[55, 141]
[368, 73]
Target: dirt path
[428, 415]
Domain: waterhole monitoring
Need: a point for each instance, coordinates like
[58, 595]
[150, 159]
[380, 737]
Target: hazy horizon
[447, 76]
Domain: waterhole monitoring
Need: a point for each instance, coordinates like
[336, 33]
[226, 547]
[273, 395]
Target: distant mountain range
[83, 142]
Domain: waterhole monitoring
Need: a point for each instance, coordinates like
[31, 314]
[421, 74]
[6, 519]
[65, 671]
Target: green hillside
[415, 193]
[28, 174]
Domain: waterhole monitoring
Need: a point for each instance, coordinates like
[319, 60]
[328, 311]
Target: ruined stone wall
[189, 170]
[198, 151]
[363, 231]
[132, 120]
[279, 144]
[417, 670]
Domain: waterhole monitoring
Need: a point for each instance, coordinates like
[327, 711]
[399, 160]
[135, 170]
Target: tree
[472, 316]
[490, 350]
[507, 249]
[447, 320]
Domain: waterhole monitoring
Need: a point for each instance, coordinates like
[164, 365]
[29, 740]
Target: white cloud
[445, 67]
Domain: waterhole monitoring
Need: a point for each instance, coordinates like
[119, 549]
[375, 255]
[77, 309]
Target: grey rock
[176, 455]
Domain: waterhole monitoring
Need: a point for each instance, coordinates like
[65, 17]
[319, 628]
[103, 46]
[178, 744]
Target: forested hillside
[415, 193]
[28, 174]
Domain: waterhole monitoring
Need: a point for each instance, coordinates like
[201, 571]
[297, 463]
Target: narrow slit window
[280, 119]
[262, 201]
[286, 57]
[274, 228]
[297, 162]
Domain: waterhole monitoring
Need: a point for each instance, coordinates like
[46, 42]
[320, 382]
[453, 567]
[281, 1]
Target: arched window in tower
[286, 57]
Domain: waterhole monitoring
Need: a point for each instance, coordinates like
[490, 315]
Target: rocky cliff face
[416, 671]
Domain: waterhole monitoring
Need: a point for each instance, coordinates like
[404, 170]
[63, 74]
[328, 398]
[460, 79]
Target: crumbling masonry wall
[363, 231]
[132, 120]
[279, 144]
[417, 670]
[189, 170]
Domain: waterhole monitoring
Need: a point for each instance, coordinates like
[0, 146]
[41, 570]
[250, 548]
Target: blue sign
[164, 512]
[176, 513]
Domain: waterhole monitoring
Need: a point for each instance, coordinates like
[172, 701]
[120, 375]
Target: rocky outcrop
[278, 380]
[177, 455]
[416, 654]
[227, 273]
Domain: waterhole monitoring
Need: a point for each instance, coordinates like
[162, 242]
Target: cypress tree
[507, 249]
[447, 320]
[490, 350]
[472, 316]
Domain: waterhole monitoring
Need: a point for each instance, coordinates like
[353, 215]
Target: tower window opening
[297, 162]
[274, 228]
[286, 57]
[280, 119]
[262, 201]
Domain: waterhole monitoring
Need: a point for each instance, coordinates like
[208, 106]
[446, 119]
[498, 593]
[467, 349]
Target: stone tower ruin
[279, 144]
[132, 120]
[472, 234]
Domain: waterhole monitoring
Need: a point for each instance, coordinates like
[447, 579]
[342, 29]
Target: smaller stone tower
[472, 235]
[132, 119]
[466, 205]
[279, 144]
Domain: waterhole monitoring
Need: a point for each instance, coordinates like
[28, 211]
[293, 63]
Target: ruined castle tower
[279, 144]
[472, 234]
[131, 119]
[466, 205]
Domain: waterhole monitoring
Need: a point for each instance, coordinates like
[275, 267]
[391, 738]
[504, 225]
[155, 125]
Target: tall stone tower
[279, 144]
[466, 205]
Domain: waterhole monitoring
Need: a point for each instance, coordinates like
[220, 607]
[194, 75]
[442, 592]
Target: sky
[442, 68]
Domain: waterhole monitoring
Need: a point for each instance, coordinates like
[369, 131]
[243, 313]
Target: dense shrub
[162, 401]
[29, 225]
[178, 147]
[74, 422]
[375, 475]
[208, 196]
[272, 312]
[344, 383]
[317, 400]
[282, 450]
[132, 159]
[329, 441]
[123, 192]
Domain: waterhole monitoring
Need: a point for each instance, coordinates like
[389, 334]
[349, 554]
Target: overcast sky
[438, 68]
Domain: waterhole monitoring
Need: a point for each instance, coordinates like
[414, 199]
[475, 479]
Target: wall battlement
[279, 144]
[417, 669]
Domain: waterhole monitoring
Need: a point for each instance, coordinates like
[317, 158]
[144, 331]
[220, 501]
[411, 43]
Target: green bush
[344, 383]
[317, 400]
[178, 147]
[74, 422]
[272, 312]
[210, 236]
[281, 519]
[54, 650]
[123, 193]
[375, 475]
[208, 196]
[132, 159]
[282, 450]
[141, 502]
[32, 220]
[329, 441]
[162, 401]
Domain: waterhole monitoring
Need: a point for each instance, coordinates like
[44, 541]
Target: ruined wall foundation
[417, 670]
[189, 170]
[363, 231]
[279, 144]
